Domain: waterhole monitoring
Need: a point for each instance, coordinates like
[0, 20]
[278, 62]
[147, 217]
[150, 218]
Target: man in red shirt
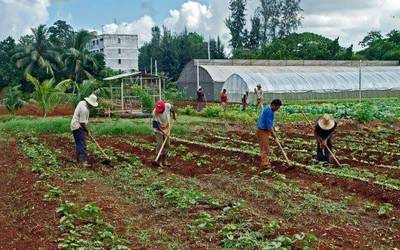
[224, 99]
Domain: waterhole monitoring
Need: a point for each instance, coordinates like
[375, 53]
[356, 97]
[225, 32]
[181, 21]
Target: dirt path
[27, 221]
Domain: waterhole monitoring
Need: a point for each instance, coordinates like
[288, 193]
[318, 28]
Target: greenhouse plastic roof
[307, 78]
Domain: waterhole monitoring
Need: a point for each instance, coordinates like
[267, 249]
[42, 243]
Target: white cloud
[192, 15]
[350, 20]
[19, 16]
[141, 27]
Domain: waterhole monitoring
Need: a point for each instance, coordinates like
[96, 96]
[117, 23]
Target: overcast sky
[348, 19]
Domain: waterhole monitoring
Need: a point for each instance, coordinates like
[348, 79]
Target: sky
[348, 19]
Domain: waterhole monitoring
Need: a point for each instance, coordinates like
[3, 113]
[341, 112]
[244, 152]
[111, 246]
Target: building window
[94, 43]
[97, 42]
[119, 40]
[119, 51]
[101, 39]
[119, 61]
[102, 50]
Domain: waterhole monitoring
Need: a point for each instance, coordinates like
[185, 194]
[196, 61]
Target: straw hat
[326, 122]
[92, 100]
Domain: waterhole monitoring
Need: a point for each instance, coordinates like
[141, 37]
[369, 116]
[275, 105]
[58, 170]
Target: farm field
[214, 195]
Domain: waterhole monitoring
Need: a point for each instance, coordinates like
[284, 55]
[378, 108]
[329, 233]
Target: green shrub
[145, 99]
[212, 111]
[13, 99]
[188, 110]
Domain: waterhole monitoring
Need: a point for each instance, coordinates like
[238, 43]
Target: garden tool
[280, 146]
[163, 145]
[329, 150]
[106, 161]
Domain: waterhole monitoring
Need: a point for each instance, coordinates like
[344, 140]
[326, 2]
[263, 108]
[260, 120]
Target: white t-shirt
[163, 118]
[81, 115]
[259, 94]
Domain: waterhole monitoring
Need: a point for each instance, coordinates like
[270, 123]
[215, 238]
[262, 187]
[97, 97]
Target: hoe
[106, 161]
[329, 150]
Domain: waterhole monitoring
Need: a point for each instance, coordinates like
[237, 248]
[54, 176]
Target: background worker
[324, 128]
[259, 96]
[265, 126]
[200, 99]
[162, 125]
[224, 99]
[78, 127]
[244, 100]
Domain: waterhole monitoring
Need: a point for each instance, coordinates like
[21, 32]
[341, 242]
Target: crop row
[346, 172]
[82, 226]
[303, 151]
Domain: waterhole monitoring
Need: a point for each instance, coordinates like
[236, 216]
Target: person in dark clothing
[244, 100]
[200, 99]
[324, 128]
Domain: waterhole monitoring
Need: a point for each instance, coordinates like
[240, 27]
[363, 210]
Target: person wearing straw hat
[161, 125]
[259, 96]
[79, 129]
[324, 128]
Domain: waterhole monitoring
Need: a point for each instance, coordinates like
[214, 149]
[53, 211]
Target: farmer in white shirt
[162, 125]
[78, 126]
[259, 96]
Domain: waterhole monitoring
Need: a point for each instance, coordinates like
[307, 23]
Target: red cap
[160, 106]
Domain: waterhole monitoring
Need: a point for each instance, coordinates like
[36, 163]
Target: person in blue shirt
[265, 127]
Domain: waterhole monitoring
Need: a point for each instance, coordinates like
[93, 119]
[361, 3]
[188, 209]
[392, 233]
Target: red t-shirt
[224, 97]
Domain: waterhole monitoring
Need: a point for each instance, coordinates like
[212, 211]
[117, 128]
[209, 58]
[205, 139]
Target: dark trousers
[80, 143]
[323, 154]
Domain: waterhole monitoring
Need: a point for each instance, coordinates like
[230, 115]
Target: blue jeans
[80, 142]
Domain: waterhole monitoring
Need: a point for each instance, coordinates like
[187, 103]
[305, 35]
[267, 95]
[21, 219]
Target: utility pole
[151, 65]
[208, 47]
[198, 74]
[360, 82]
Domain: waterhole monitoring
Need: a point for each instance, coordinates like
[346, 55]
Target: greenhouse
[291, 79]
[304, 82]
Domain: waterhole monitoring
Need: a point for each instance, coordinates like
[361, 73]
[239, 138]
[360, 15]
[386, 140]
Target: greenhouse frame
[289, 79]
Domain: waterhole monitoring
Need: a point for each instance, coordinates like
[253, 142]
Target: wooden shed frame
[121, 89]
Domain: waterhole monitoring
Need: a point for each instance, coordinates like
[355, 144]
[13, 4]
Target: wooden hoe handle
[280, 146]
[98, 145]
[164, 142]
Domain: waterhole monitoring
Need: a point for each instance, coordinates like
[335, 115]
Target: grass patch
[98, 128]
[121, 128]
[36, 126]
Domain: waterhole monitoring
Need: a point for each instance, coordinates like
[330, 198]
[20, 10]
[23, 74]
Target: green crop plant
[385, 209]
[205, 221]
[182, 198]
[52, 192]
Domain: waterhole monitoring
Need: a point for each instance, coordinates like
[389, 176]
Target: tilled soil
[27, 221]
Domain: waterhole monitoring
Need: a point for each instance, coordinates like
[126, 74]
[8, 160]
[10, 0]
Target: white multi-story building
[120, 51]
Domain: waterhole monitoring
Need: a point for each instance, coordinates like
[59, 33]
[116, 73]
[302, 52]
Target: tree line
[56, 52]
[174, 50]
[273, 36]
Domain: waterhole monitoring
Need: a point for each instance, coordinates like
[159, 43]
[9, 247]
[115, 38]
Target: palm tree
[14, 99]
[87, 88]
[47, 94]
[78, 60]
[39, 54]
